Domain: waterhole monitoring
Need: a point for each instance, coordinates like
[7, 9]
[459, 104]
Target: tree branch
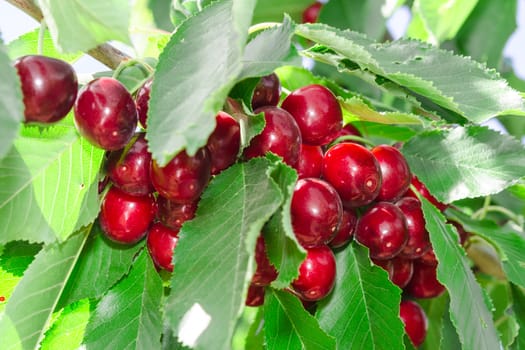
[104, 53]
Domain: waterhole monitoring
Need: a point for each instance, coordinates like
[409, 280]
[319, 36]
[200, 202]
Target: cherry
[317, 113]
[173, 214]
[310, 161]
[255, 296]
[463, 235]
[316, 212]
[414, 320]
[418, 239]
[128, 168]
[311, 13]
[346, 229]
[424, 283]
[399, 270]
[429, 258]
[316, 274]
[183, 179]
[354, 172]
[267, 91]
[394, 172]
[49, 87]
[161, 242]
[125, 218]
[423, 190]
[281, 136]
[265, 272]
[383, 229]
[347, 130]
[142, 99]
[105, 114]
[224, 142]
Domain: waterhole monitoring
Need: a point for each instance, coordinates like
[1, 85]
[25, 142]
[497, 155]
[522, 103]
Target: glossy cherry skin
[184, 178]
[281, 136]
[125, 218]
[424, 283]
[394, 172]
[429, 258]
[463, 235]
[347, 130]
[310, 162]
[317, 113]
[128, 168]
[142, 100]
[414, 320]
[255, 296]
[267, 91]
[402, 271]
[224, 142]
[316, 212]
[161, 242]
[311, 13]
[418, 239]
[354, 172]
[346, 229]
[423, 190]
[105, 114]
[383, 229]
[265, 272]
[316, 274]
[49, 87]
[173, 214]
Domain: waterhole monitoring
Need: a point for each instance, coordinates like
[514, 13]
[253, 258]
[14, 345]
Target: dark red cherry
[317, 113]
[267, 91]
[255, 296]
[316, 274]
[142, 99]
[184, 178]
[49, 87]
[354, 172]
[125, 218]
[429, 258]
[415, 321]
[281, 136]
[310, 161]
[311, 13]
[424, 283]
[394, 172]
[105, 114]
[128, 168]
[346, 229]
[418, 239]
[399, 270]
[463, 235]
[265, 272]
[423, 190]
[161, 242]
[383, 229]
[316, 212]
[173, 214]
[224, 142]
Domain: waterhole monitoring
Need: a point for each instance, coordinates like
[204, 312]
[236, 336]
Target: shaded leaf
[356, 109]
[518, 296]
[435, 309]
[274, 10]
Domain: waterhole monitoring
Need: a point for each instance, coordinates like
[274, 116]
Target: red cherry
[316, 212]
[128, 168]
[424, 283]
[267, 91]
[383, 229]
[317, 113]
[463, 235]
[142, 99]
[173, 214]
[347, 130]
[346, 229]
[281, 136]
[125, 218]
[414, 320]
[399, 270]
[394, 172]
[161, 242]
[265, 272]
[310, 161]
[224, 142]
[311, 13]
[354, 172]
[255, 296]
[418, 239]
[105, 114]
[429, 258]
[184, 178]
[423, 190]
[316, 274]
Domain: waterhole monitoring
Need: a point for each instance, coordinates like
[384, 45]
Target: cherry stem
[41, 33]
[351, 138]
[235, 109]
[262, 26]
[481, 213]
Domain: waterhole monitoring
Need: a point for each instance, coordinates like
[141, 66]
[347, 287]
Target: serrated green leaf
[11, 106]
[518, 296]
[129, 316]
[465, 162]
[214, 259]
[356, 109]
[182, 116]
[362, 312]
[288, 326]
[449, 336]
[274, 10]
[385, 133]
[255, 335]
[35, 297]
[468, 310]
[78, 25]
[435, 310]
[46, 184]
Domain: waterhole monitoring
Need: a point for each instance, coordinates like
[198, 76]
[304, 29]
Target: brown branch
[105, 53]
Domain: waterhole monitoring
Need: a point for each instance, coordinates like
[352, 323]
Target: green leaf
[255, 335]
[465, 162]
[518, 296]
[11, 106]
[128, 316]
[182, 116]
[356, 109]
[8, 334]
[362, 312]
[288, 326]
[214, 259]
[449, 336]
[435, 310]
[468, 310]
[81, 25]
[34, 299]
[47, 184]
[101, 265]
[274, 10]
[384, 133]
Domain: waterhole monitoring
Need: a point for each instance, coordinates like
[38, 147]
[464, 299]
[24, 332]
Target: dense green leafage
[214, 259]
[8, 334]
[274, 10]
[362, 312]
[255, 336]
